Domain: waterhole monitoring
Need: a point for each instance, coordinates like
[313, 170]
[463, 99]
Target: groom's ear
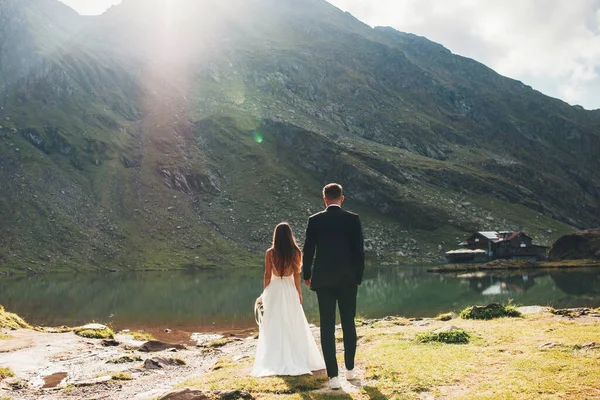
[342, 199]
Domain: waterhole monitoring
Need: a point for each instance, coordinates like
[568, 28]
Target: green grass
[105, 333]
[459, 336]
[12, 321]
[121, 376]
[142, 336]
[233, 375]
[490, 311]
[445, 316]
[6, 372]
[503, 359]
[5, 337]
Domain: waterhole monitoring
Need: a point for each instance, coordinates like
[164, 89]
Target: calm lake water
[224, 300]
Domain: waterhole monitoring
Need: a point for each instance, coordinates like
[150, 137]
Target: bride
[286, 345]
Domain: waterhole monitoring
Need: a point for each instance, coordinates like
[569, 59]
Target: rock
[447, 328]
[532, 310]
[161, 362]
[185, 394]
[157, 345]
[109, 342]
[232, 395]
[239, 357]
[575, 312]
[98, 327]
[92, 382]
[201, 338]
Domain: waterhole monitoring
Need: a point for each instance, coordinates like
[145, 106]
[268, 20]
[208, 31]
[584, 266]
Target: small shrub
[6, 373]
[142, 336]
[105, 333]
[5, 337]
[444, 317]
[451, 336]
[122, 376]
[490, 311]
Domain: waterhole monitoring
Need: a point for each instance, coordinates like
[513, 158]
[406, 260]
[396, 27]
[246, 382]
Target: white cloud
[552, 45]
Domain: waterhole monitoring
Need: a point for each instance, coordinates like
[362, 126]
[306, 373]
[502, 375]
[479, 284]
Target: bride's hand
[300, 299]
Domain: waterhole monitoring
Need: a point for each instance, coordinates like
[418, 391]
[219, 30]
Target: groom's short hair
[333, 191]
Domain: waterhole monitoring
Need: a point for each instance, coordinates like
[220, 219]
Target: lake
[223, 300]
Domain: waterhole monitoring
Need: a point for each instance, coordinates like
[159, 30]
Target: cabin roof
[466, 251]
[491, 235]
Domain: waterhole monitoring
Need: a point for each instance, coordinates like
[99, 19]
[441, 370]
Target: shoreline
[515, 265]
[70, 366]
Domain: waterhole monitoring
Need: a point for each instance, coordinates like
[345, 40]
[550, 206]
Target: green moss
[105, 333]
[142, 336]
[121, 376]
[6, 372]
[490, 311]
[458, 336]
[179, 361]
[445, 317]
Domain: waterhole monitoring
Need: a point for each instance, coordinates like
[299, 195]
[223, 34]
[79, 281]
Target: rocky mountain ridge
[181, 138]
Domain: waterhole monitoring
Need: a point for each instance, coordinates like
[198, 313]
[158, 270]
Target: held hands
[307, 282]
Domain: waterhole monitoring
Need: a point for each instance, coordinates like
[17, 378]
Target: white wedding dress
[286, 345]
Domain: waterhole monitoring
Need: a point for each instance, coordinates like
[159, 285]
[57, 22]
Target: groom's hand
[307, 282]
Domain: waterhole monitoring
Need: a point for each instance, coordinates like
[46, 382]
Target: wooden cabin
[490, 245]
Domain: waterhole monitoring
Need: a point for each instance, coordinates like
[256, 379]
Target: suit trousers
[345, 297]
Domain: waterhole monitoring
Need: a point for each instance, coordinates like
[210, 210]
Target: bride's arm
[297, 283]
[267, 269]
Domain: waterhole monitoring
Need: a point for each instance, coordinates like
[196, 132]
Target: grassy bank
[535, 356]
[515, 265]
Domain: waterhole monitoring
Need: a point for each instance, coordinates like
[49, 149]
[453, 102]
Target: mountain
[171, 134]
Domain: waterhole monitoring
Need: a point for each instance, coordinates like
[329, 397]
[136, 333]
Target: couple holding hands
[334, 241]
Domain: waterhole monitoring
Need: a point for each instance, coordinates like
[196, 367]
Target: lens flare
[257, 136]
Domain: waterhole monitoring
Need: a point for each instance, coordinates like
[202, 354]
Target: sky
[551, 45]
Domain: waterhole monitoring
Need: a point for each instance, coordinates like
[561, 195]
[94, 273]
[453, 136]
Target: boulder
[157, 345]
[576, 246]
[161, 362]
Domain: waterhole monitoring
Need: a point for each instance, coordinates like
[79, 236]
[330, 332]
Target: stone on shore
[185, 394]
[157, 345]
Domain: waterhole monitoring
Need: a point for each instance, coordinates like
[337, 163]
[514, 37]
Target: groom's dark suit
[336, 236]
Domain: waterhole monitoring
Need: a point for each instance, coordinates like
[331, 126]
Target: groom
[336, 236]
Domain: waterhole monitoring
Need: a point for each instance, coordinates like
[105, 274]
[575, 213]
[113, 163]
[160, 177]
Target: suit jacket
[336, 236]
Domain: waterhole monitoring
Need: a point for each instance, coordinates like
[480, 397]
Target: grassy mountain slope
[182, 138]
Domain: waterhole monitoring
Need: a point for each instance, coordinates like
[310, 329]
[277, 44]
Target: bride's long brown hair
[285, 254]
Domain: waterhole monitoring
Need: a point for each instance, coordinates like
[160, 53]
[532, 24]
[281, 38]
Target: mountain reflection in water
[222, 300]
